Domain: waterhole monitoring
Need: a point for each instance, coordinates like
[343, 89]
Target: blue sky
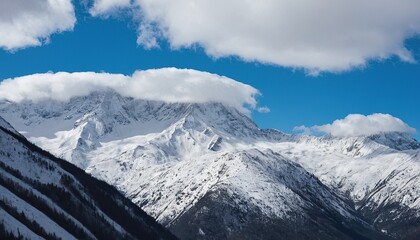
[294, 97]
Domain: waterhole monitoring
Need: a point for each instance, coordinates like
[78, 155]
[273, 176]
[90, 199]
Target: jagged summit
[363, 145]
[108, 110]
[109, 116]
[396, 140]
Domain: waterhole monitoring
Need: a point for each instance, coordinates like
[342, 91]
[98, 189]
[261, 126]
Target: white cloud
[323, 35]
[303, 130]
[105, 7]
[148, 36]
[166, 84]
[360, 125]
[264, 109]
[25, 23]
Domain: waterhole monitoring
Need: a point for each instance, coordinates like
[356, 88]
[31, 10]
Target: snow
[45, 199]
[6, 125]
[34, 214]
[360, 175]
[45, 171]
[166, 156]
[14, 226]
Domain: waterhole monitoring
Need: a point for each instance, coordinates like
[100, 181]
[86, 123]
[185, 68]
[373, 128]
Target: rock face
[207, 171]
[43, 197]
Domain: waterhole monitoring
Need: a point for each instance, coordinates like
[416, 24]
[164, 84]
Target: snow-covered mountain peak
[361, 146]
[169, 131]
[85, 123]
[168, 157]
[108, 113]
[396, 140]
[224, 119]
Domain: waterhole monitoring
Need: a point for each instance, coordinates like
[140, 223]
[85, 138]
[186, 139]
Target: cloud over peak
[166, 84]
[25, 23]
[324, 35]
[355, 125]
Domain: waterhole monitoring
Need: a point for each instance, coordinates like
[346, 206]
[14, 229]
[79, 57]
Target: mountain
[43, 197]
[206, 171]
[379, 174]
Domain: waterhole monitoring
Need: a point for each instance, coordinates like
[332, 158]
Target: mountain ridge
[168, 157]
[42, 196]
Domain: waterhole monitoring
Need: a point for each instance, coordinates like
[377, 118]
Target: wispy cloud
[302, 129]
[264, 109]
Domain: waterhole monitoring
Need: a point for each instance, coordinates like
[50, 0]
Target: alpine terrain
[206, 171]
[43, 197]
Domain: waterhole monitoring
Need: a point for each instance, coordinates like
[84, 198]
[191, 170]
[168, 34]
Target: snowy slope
[43, 197]
[380, 179]
[175, 159]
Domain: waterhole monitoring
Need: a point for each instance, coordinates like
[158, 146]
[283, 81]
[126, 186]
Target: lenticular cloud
[166, 84]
